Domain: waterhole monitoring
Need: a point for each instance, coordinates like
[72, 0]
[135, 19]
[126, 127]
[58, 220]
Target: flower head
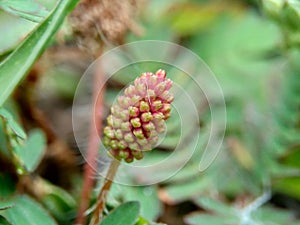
[138, 116]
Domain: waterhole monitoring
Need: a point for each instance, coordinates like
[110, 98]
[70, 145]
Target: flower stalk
[102, 196]
[133, 126]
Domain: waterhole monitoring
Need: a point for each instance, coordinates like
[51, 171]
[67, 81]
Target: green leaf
[288, 186]
[27, 211]
[180, 192]
[290, 14]
[7, 188]
[142, 221]
[14, 126]
[3, 221]
[27, 9]
[204, 219]
[6, 203]
[292, 157]
[32, 152]
[222, 214]
[60, 203]
[157, 224]
[216, 206]
[272, 215]
[148, 199]
[13, 36]
[244, 55]
[18, 63]
[126, 213]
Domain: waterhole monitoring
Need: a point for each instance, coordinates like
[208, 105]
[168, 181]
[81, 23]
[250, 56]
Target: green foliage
[17, 64]
[286, 116]
[60, 203]
[12, 127]
[27, 153]
[126, 213]
[3, 221]
[285, 140]
[146, 196]
[262, 102]
[256, 62]
[238, 56]
[32, 151]
[27, 9]
[27, 156]
[225, 214]
[27, 211]
[201, 16]
[287, 15]
[157, 224]
[13, 36]
[7, 189]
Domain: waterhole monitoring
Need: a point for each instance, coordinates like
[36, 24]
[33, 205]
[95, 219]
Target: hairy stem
[101, 199]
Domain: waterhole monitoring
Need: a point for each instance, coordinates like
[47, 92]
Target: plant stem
[92, 151]
[101, 199]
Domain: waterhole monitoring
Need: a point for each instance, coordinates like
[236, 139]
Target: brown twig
[92, 151]
[101, 199]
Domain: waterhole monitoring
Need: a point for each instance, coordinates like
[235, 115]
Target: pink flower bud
[133, 111]
[138, 117]
[138, 133]
[136, 122]
[144, 106]
[146, 117]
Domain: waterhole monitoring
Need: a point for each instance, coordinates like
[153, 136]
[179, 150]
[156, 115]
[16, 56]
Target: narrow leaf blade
[14, 126]
[17, 64]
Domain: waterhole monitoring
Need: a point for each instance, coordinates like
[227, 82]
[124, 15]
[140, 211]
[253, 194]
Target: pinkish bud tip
[138, 116]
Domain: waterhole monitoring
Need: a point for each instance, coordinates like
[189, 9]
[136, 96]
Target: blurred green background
[251, 46]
